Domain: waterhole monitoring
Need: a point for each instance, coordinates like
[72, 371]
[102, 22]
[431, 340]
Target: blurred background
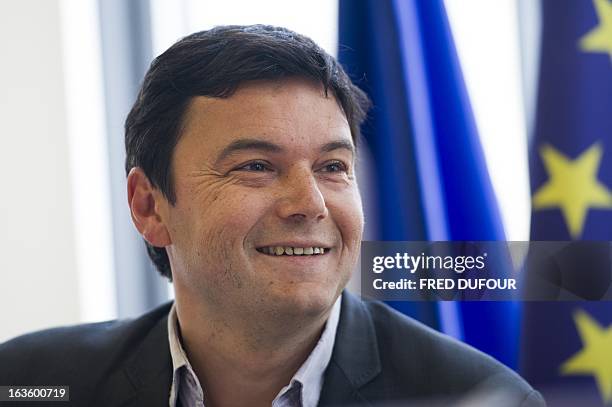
[469, 95]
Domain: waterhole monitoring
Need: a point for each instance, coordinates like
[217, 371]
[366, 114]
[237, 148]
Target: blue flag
[429, 169]
[567, 347]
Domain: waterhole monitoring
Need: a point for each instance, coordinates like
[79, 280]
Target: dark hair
[215, 63]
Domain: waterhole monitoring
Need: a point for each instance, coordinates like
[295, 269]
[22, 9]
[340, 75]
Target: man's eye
[255, 166]
[335, 166]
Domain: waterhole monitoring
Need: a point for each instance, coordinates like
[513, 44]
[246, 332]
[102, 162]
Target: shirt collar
[179, 358]
[309, 376]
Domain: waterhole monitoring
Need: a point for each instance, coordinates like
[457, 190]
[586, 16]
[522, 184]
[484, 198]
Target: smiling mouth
[293, 251]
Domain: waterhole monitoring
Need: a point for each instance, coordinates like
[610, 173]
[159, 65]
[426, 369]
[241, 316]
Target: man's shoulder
[81, 352]
[400, 337]
[417, 361]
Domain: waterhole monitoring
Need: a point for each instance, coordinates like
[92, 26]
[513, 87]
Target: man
[241, 179]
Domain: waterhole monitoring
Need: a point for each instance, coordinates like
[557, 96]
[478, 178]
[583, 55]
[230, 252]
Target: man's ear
[144, 203]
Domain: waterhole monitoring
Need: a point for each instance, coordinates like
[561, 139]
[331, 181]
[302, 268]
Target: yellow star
[599, 39]
[595, 358]
[573, 186]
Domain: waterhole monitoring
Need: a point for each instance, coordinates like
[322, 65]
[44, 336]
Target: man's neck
[242, 364]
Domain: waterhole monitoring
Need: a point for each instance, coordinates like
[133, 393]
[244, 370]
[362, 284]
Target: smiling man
[241, 151]
[262, 236]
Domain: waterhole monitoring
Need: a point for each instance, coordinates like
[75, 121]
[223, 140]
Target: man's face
[268, 170]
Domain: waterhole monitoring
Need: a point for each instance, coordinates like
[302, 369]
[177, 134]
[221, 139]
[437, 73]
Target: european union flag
[567, 347]
[431, 180]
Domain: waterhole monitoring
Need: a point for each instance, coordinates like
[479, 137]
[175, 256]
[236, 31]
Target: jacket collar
[151, 369]
[145, 380]
[355, 361]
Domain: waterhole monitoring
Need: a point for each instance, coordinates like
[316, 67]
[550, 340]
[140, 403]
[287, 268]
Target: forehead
[291, 112]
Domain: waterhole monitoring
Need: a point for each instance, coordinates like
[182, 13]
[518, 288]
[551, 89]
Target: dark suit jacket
[380, 357]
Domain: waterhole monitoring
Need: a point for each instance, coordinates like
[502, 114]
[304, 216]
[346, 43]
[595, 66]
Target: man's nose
[301, 197]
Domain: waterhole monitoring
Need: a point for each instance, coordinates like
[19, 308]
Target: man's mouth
[292, 251]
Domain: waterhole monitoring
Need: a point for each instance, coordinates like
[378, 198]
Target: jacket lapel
[147, 376]
[355, 359]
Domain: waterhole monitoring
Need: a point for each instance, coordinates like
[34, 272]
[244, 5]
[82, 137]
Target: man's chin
[306, 304]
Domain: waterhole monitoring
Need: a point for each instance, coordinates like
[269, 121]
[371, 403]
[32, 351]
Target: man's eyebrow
[339, 144]
[248, 144]
[262, 145]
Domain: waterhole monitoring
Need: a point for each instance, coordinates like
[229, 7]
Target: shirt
[303, 390]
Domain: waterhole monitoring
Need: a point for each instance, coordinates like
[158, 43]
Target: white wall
[38, 274]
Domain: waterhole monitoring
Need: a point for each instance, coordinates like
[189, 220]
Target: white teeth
[292, 251]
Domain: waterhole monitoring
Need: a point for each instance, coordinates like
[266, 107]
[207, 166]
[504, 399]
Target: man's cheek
[222, 236]
[358, 212]
[241, 211]
[350, 217]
